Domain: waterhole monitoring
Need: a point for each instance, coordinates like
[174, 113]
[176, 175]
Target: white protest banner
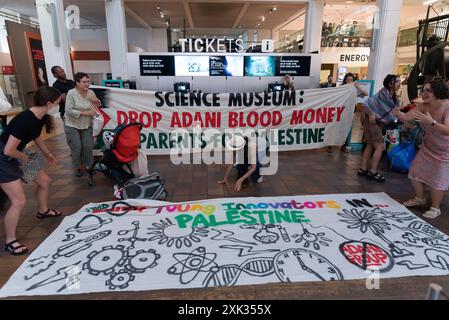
[151, 245]
[292, 120]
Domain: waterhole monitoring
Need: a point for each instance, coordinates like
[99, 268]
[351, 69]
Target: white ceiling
[25, 7]
[209, 14]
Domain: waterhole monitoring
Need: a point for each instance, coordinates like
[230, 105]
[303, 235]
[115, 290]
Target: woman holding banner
[80, 105]
[431, 165]
[349, 80]
[377, 117]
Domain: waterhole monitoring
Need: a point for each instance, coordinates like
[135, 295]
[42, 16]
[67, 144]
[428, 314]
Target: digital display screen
[113, 83]
[192, 65]
[226, 66]
[157, 65]
[229, 66]
[260, 66]
[294, 66]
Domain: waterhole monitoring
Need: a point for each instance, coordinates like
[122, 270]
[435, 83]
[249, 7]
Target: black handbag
[387, 127]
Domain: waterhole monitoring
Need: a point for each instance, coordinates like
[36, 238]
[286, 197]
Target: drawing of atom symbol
[191, 264]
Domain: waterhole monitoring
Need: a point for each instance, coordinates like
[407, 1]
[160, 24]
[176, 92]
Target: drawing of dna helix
[190, 265]
[228, 275]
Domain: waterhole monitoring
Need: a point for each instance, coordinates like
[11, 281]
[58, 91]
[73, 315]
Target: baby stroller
[122, 148]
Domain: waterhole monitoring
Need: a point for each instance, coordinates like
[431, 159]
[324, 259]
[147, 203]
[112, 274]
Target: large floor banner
[150, 245]
[290, 120]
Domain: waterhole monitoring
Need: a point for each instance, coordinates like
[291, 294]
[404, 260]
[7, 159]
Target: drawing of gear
[142, 260]
[106, 260]
[120, 280]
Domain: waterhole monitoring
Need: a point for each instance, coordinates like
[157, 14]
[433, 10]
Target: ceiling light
[162, 15]
[274, 8]
[158, 8]
[263, 18]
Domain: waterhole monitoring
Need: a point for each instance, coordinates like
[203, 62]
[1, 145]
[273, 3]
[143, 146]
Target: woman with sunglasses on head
[24, 128]
[431, 165]
[377, 117]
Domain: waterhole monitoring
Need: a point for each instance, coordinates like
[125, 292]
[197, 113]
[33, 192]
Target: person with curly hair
[431, 165]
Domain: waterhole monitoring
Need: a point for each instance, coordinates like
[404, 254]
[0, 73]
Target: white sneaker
[432, 213]
[260, 180]
[415, 202]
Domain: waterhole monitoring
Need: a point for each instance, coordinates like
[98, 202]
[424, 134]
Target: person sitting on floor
[245, 160]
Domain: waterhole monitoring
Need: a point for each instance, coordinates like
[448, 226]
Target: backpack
[146, 187]
[401, 156]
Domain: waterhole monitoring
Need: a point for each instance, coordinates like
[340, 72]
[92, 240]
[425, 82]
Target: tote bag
[97, 124]
[140, 165]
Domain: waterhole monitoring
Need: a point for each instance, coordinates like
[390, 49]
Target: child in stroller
[121, 148]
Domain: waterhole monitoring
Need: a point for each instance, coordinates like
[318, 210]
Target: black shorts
[9, 168]
[242, 169]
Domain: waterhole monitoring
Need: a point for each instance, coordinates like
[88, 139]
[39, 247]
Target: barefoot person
[24, 128]
[431, 165]
[246, 162]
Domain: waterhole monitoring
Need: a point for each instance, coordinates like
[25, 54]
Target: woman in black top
[24, 128]
[246, 162]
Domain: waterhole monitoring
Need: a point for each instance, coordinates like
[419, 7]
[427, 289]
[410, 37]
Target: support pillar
[383, 46]
[117, 38]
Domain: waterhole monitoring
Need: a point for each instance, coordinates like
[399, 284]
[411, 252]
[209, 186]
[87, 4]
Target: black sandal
[376, 176]
[13, 250]
[47, 214]
[362, 172]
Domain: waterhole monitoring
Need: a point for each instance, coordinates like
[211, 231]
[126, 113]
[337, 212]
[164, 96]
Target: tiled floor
[306, 172]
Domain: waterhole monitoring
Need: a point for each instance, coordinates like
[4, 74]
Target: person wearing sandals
[431, 165]
[79, 112]
[24, 128]
[377, 116]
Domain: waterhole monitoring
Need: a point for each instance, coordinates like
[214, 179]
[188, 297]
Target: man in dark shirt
[330, 83]
[63, 85]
